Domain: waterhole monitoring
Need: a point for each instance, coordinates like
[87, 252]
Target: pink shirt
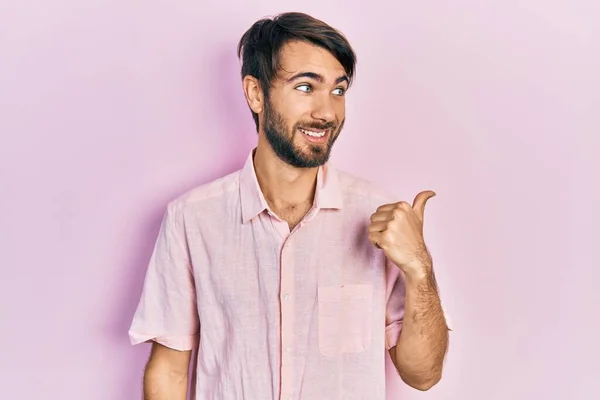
[306, 314]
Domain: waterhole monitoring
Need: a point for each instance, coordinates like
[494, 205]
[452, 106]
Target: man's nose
[324, 109]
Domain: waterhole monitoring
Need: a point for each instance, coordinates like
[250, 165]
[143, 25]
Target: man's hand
[397, 229]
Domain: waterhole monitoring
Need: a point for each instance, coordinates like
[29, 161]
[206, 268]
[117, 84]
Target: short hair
[260, 46]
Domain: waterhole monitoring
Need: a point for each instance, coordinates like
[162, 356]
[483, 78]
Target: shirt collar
[328, 193]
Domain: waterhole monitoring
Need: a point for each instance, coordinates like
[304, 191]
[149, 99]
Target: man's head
[296, 71]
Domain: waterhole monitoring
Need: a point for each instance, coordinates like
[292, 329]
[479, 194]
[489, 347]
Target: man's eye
[339, 91]
[303, 88]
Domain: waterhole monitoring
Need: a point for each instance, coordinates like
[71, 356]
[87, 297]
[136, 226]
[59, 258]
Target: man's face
[305, 110]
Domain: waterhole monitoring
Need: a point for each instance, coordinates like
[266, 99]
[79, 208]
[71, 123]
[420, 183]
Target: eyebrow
[317, 77]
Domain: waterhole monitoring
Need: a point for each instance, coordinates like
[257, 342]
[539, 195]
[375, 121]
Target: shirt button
[286, 296]
[288, 348]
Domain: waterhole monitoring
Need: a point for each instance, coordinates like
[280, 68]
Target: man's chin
[301, 155]
[311, 161]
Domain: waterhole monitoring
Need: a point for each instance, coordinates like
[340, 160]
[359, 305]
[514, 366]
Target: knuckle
[387, 236]
[403, 205]
[398, 212]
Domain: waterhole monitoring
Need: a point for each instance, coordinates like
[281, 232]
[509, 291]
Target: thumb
[419, 203]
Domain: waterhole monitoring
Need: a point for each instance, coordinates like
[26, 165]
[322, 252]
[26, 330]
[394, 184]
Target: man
[290, 277]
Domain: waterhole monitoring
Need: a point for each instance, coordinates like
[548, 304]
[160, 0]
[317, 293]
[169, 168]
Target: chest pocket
[345, 318]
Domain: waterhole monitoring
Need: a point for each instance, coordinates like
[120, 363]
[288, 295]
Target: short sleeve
[396, 292]
[167, 311]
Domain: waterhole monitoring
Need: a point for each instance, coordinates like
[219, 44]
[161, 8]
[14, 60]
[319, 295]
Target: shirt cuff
[392, 334]
[181, 343]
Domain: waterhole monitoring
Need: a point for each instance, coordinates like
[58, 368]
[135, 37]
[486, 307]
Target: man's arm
[397, 229]
[166, 374]
[423, 342]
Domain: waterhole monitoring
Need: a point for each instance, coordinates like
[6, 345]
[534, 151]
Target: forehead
[305, 57]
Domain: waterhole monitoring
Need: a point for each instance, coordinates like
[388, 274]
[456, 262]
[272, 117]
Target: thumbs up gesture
[397, 229]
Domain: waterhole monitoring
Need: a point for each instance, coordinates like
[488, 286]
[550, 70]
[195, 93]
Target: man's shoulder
[353, 185]
[217, 189]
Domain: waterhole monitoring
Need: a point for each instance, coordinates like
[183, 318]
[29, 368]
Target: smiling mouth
[314, 133]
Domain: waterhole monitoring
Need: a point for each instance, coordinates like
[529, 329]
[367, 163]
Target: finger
[419, 203]
[375, 238]
[377, 227]
[382, 216]
[386, 207]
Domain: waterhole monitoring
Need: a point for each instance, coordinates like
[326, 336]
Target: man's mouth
[314, 133]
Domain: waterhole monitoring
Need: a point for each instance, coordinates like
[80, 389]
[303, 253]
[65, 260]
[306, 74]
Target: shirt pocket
[345, 316]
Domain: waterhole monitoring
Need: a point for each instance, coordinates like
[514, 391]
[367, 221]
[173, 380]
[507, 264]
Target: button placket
[287, 316]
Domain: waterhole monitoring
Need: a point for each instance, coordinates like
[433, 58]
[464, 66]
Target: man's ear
[254, 94]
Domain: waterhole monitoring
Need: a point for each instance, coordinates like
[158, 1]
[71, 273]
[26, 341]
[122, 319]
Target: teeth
[312, 133]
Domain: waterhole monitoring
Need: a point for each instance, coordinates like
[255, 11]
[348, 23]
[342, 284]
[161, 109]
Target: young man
[290, 277]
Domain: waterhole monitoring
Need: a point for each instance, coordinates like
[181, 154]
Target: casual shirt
[275, 314]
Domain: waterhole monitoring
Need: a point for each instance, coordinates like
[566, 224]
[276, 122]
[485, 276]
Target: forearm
[422, 345]
[162, 385]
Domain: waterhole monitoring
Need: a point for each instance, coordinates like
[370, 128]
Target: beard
[281, 139]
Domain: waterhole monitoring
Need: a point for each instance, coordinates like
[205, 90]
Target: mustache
[317, 126]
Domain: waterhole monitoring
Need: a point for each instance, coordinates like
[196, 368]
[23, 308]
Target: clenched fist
[397, 229]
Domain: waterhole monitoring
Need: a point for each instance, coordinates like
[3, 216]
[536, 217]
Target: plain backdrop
[109, 109]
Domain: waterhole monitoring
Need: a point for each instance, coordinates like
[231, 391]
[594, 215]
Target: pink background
[108, 109]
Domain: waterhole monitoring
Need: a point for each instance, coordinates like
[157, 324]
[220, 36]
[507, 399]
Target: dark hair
[260, 46]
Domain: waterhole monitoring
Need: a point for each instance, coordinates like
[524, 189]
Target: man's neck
[283, 185]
